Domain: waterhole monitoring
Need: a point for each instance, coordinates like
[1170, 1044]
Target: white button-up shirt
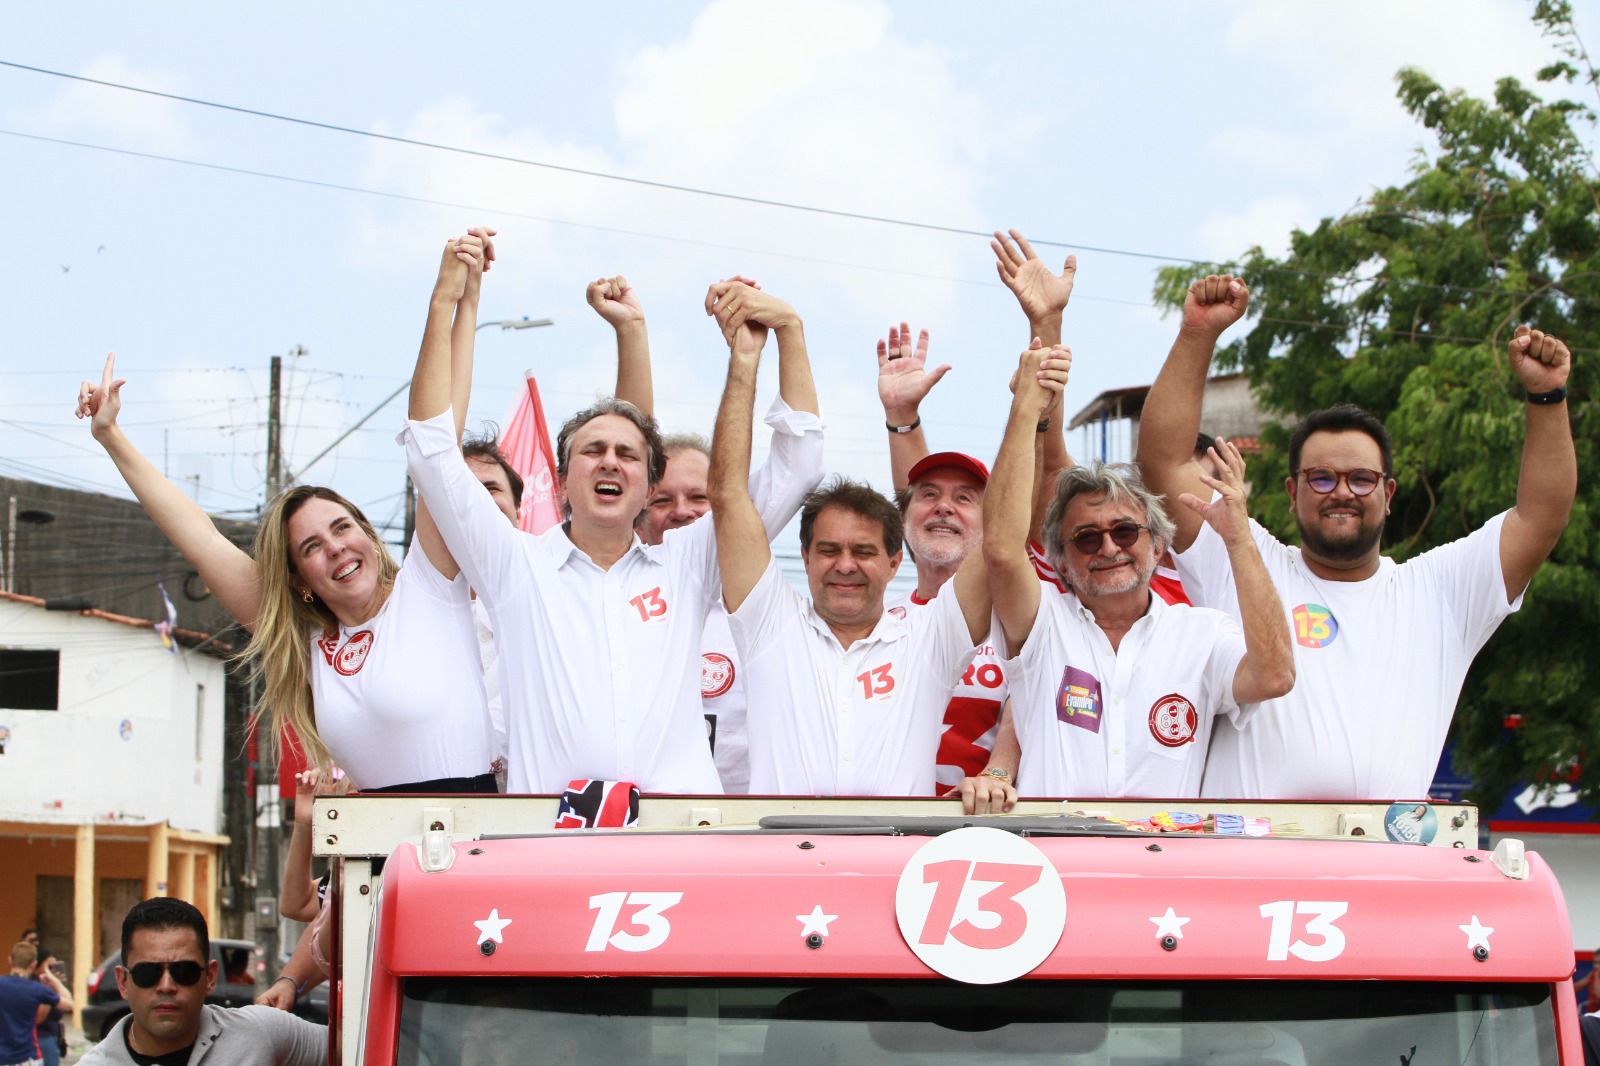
[1134, 721]
[600, 669]
[827, 720]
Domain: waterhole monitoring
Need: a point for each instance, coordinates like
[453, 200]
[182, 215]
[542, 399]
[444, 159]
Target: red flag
[526, 446]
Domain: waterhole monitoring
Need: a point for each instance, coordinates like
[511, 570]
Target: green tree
[1404, 305]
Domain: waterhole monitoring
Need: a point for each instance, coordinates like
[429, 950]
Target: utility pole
[270, 843]
[274, 447]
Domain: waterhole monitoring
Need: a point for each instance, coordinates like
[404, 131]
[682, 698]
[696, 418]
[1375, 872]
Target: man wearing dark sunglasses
[1113, 690]
[166, 973]
[1382, 648]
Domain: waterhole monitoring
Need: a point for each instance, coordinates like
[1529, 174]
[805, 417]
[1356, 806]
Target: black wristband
[1542, 399]
[903, 429]
[1044, 424]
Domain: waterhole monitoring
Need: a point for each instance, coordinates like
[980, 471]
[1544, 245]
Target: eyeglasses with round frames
[1123, 535]
[186, 972]
[1324, 481]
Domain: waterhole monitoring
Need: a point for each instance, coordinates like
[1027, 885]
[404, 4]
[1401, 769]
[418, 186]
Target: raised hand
[1226, 514]
[735, 301]
[1041, 294]
[477, 266]
[462, 255]
[614, 300]
[101, 404]
[1540, 361]
[1042, 376]
[903, 374]
[1214, 303]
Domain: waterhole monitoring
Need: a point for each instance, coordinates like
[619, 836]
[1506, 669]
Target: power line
[580, 171]
[506, 213]
[643, 182]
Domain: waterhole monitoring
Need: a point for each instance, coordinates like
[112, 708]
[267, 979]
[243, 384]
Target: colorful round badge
[1314, 626]
[980, 905]
[1410, 823]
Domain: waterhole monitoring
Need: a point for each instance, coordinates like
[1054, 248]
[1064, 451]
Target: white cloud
[1266, 222]
[135, 119]
[820, 103]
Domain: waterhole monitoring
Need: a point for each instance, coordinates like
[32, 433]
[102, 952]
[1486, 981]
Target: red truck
[744, 931]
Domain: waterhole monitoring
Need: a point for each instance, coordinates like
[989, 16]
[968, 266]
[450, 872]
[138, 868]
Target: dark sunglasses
[1123, 535]
[148, 974]
[1361, 482]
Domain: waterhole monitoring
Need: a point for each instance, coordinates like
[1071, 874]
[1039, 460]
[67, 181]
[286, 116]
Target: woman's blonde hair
[280, 646]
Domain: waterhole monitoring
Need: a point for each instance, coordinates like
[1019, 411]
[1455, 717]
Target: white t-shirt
[599, 669]
[794, 466]
[399, 698]
[490, 657]
[972, 717]
[722, 698]
[1378, 666]
[1134, 721]
[836, 721]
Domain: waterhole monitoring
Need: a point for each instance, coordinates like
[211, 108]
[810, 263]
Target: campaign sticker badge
[1410, 823]
[1078, 701]
[716, 675]
[980, 905]
[1174, 721]
[1314, 626]
[354, 653]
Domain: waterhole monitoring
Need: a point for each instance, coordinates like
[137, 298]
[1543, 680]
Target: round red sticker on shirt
[354, 653]
[1174, 721]
[716, 675]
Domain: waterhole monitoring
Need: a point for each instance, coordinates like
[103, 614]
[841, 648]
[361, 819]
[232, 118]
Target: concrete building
[111, 773]
[1108, 425]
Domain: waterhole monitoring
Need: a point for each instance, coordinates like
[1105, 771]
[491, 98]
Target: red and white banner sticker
[980, 905]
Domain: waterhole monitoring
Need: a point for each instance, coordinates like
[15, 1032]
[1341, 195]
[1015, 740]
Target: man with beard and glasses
[1113, 690]
[1383, 648]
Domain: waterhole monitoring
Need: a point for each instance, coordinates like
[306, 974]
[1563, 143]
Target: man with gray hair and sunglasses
[1114, 691]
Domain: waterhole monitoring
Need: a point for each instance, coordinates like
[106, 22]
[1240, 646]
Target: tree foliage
[1404, 305]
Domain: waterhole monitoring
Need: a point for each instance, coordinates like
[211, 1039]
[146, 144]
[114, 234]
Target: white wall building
[111, 763]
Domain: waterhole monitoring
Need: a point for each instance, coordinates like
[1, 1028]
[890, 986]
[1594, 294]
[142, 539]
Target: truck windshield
[671, 1022]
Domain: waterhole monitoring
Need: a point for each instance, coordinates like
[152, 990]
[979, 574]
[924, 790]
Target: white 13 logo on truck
[980, 905]
[647, 908]
[1324, 941]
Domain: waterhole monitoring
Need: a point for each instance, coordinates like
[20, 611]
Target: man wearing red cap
[941, 508]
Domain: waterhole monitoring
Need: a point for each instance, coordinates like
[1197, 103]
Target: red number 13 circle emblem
[980, 905]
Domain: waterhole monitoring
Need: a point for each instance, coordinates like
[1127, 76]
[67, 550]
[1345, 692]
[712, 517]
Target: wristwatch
[996, 773]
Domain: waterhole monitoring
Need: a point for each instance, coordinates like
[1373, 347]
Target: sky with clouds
[197, 242]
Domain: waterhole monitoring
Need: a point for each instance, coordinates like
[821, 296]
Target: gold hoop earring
[305, 596]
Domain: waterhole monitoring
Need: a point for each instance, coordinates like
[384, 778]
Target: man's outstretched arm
[1007, 501]
[1170, 423]
[1043, 297]
[742, 551]
[614, 300]
[1267, 669]
[1548, 483]
[904, 381]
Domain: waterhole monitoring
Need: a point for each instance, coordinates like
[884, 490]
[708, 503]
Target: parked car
[238, 984]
